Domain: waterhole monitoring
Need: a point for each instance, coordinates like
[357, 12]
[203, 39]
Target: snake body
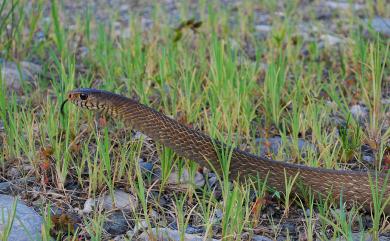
[353, 186]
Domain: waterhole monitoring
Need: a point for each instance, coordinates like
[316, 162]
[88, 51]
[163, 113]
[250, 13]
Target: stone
[122, 201]
[5, 186]
[260, 238]
[116, 223]
[194, 230]
[146, 167]
[184, 179]
[13, 172]
[381, 25]
[357, 237]
[359, 112]
[189, 229]
[218, 214]
[331, 40]
[273, 144]
[263, 28]
[26, 223]
[166, 234]
[89, 205]
[343, 5]
[14, 74]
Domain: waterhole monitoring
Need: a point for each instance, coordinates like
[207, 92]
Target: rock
[89, 205]
[260, 238]
[184, 180]
[116, 223]
[146, 167]
[194, 230]
[384, 102]
[139, 226]
[360, 113]
[272, 145]
[5, 186]
[343, 5]
[331, 40]
[13, 172]
[122, 201]
[26, 224]
[213, 180]
[367, 154]
[263, 28]
[357, 237]
[288, 228]
[189, 229]
[166, 234]
[381, 25]
[368, 159]
[218, 214]
[14, 76]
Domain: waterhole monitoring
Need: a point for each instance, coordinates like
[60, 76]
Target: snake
[364, 188]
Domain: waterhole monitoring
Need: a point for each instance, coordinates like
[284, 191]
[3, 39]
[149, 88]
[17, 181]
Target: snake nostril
[69, 96]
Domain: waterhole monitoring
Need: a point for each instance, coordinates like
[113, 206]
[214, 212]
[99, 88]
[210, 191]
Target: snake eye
[83, 96]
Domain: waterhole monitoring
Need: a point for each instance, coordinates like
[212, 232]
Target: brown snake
[194, 145]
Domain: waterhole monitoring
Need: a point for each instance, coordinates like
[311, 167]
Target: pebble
[13, 172]
[5, 186]
[194, 230]
[260, 238]
[116, 223]
[139, 226]
[343, 5]
[218, 214]
[189, 229]
[368, 158]
[367, 154]
[358, 236]
[213, 180]
[288, 227]
[381, 25]
[331, 40]
[263, 28]
[272, 145]
[360, 113]
[14, 76]
[166, 234]
[26, 224]
[146, 167]
[184, 180]
[122, 201]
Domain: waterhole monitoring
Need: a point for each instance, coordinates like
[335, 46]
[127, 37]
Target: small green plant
[379, 203]
[289, 182]
[310, 220]
[350, 137]
[273, 87]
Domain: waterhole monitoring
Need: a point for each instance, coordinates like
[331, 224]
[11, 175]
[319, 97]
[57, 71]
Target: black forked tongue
[62, 106]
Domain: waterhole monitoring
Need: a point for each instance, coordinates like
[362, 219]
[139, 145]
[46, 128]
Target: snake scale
[354, 186]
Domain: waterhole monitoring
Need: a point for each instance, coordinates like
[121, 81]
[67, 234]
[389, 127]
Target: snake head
[85, 98]
[94, 99]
